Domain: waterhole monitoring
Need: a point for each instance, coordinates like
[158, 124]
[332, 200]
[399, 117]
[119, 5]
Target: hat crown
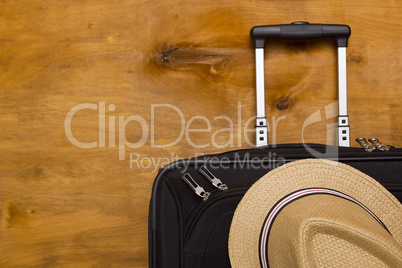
[320, 230]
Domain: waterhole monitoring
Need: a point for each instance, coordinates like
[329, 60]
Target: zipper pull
[363, 143]
[379, 145]
[196, 188]
[214, 180]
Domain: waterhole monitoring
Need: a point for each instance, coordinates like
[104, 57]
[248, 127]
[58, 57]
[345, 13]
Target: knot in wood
[282, 104]
[354, 59]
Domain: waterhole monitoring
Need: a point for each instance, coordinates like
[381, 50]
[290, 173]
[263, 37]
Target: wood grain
[65, 206]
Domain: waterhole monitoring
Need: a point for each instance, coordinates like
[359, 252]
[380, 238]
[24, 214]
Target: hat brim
[251, 212]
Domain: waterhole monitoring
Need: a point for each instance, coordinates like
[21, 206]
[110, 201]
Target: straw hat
[316, 213]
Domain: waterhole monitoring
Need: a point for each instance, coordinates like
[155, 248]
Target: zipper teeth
[193, 219]
[190, 213]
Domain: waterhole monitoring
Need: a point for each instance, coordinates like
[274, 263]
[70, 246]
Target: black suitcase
[193, 200]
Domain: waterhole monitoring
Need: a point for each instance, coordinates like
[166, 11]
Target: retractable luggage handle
[301, 31]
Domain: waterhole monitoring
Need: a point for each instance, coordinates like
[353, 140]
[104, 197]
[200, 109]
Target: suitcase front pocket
[207, 231]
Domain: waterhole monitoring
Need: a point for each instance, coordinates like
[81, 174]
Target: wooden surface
[66, 206]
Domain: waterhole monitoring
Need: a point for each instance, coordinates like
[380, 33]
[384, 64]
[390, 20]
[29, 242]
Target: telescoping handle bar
[301, 31]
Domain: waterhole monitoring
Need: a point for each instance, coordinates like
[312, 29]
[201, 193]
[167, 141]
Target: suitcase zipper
[364, 144]
[376, 144]
[379, 145]
[211, 177]
[199, 190]
[199, 210]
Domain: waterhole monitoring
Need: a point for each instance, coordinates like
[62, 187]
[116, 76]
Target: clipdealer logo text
[234, 130]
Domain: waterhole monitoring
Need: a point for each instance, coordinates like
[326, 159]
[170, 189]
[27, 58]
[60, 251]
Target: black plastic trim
[301, 31]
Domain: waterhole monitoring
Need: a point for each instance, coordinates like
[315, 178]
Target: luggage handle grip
[301, 30]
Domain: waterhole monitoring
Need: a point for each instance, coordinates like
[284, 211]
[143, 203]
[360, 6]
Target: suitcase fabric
[193, 200]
